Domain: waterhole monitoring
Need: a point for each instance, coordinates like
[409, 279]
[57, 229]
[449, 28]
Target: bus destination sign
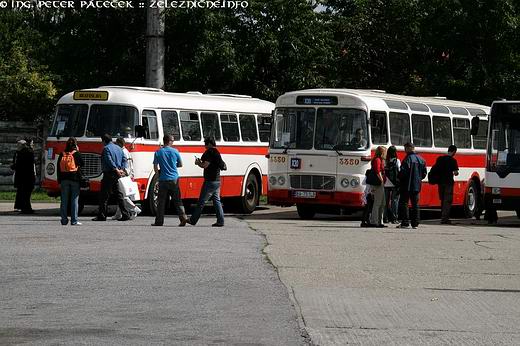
[90, 95]
[317, 100]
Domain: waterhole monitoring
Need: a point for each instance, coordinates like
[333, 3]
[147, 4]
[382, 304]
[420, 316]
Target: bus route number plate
[304, 194]
[296, 163]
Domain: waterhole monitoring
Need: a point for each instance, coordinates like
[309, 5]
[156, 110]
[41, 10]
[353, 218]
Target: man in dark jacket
[446, 167]
[113, 163]
[413, 171]
[24, 177]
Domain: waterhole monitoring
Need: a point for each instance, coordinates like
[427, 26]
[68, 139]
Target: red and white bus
[322, 141]
[502, 182]
[240, 125]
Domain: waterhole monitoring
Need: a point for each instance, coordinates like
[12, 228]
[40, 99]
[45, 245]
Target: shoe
[403, 226]
[217, 225]
[98, 218]
[76, 224]
[414, 227]
[395, 222]
[189, 222]
[137, 210]
[381, 226]
[183, 222]
[155, 224]
[116, 217]
[124, 218]
[27, 212]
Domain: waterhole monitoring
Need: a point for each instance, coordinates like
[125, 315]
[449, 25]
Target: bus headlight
[354, 182]
[344, 183]
[281, 181]
[272, 180]
[50, 169]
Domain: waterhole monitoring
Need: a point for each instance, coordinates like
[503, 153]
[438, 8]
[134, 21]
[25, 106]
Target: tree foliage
[462, 49]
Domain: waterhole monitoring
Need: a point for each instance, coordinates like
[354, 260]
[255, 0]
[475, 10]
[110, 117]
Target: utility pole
[154, 47]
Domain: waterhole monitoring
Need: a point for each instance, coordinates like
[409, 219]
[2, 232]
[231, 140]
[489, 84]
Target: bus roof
[143, 97]
[369, 96]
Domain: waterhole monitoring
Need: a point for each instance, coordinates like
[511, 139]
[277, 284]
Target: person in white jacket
[129, 170]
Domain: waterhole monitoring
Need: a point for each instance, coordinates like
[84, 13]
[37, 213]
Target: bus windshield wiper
[336, 150]
[285, 148]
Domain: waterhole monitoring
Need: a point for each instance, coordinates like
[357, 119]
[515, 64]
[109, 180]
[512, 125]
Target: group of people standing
[116, 163]
[393, 187]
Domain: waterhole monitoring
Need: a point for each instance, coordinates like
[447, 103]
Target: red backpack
[67, 163]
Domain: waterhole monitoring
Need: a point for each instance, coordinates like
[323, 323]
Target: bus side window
[422, 130]
[461, 133]
[400, 128]
[264, 127]
[378, 128]
[229, 124]
[248, 128]
[170, 124]
[190, 126]
[150, 124]
[480, 140]
[442, 132]
[210, 125]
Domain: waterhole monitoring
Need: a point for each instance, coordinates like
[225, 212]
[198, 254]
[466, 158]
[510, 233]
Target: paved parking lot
[128, 283]
[437, 285]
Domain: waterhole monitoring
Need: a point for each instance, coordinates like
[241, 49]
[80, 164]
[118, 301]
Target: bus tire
[150, 205]
[247, 203]
[305, 211]
[518, 213]
[471, 200]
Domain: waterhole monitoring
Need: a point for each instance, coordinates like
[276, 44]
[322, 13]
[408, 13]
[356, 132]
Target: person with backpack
[442, 172]
[212, 163]
[392, 168]
[69, 177]
[413, 171]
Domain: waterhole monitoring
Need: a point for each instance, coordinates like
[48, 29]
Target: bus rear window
[117, 121]
[70, 121]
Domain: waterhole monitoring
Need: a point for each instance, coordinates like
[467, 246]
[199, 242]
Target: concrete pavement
[438, 285]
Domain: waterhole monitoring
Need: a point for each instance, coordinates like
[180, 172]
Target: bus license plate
[304, 194]
[497, 201]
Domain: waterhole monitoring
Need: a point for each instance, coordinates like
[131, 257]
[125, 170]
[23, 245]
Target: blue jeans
[210, 190]
[69, 188]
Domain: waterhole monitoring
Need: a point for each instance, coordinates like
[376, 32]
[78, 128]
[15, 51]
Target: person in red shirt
[378, 168]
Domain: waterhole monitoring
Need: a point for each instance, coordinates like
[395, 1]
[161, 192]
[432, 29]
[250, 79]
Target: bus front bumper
[333, 198]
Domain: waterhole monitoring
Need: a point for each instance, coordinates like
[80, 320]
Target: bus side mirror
[474, 126]
[140, 131]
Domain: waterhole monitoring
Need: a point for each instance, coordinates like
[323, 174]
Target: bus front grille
[313, 182]
[91, 165]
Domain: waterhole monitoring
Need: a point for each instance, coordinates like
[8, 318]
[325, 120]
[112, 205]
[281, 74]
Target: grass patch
[38, 195]
[263, 199]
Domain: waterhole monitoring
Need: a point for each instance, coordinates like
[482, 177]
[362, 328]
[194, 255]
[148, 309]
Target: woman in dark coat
[24, 177]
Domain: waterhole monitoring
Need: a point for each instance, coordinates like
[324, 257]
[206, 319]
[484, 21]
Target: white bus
[322, 141]
[240, 125]
[502, 182]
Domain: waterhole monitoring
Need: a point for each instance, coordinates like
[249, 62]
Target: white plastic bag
[128, 187]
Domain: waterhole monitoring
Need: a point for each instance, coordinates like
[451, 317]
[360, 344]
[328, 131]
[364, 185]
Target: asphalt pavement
[127, 283]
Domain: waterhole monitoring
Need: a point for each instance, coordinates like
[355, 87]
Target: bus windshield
[293, 128]
[505, 134]
[341, 129]
[112, 119]
[70, 121]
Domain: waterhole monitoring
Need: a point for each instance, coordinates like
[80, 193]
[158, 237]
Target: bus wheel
[471, 200]
[153, 194]
[305, 211]
[518, 213]
[247, 203]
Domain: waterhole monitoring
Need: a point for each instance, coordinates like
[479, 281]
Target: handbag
[128, 187]
[372, 178]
